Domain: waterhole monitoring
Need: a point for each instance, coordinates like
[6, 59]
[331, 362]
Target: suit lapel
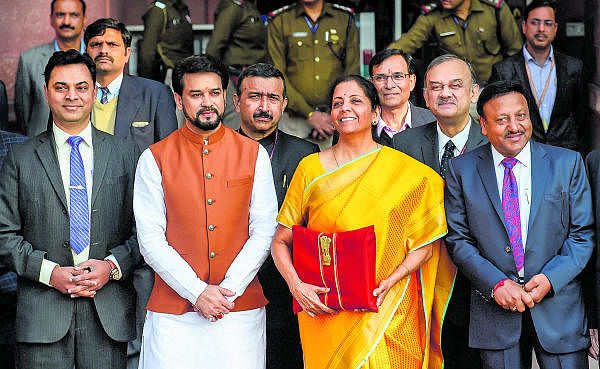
[101, 154]
[476, 138]
[46, 153]
[126, 107]
[429, 147]
[540, 171]
[561, 80]
[487, 173]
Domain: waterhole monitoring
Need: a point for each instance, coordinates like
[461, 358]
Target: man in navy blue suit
[520, 225]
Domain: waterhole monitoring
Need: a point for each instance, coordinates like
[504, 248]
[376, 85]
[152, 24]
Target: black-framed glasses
[536, 22]
[396, 77]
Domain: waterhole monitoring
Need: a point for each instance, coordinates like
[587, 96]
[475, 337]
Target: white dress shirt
[522, 172]
[459, 140]
[150, 215]
[113, 89]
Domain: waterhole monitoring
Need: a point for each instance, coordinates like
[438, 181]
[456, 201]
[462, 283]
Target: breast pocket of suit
[559, 202]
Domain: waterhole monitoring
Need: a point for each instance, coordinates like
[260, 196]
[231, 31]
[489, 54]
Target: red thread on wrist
[499, 284]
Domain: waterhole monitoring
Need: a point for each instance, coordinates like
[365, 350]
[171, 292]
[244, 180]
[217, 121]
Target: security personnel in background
[481, 31]
[239, 39]
[168, 38]
[312, 42]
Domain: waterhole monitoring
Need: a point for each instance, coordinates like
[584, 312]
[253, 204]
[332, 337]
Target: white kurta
[189, 340]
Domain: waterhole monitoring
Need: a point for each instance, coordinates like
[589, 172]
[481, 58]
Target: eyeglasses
[396, 77]
[536, 22]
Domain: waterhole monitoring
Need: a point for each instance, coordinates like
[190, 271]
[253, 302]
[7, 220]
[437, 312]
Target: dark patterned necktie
[512, 215]
[448, 154]
[104, 97]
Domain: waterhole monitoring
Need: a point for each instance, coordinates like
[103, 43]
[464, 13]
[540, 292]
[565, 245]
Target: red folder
[344, 262]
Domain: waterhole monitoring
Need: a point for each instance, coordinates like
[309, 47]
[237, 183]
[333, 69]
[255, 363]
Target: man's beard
[205, 126]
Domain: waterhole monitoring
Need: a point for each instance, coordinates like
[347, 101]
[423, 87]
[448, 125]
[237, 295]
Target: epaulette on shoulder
[428, 8]
[158, 4]
[238, 2]
[494, 3]
[283, 9]
[344, 8]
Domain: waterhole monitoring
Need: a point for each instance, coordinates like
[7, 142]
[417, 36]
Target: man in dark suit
[450, 87]
[131, 107]
[260, 100]
[67, 18]
[8, 280]
[67, 230]
[555, 82]
[520, 227]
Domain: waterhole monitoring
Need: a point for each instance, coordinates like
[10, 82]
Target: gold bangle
[310, 114]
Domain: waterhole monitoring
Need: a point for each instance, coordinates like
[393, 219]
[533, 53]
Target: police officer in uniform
[481, 31]
[312, 42]
[168, 38]
[239, 39]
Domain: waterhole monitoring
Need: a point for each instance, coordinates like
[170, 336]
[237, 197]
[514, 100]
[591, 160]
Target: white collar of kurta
[61, 137]
[524, 157]
[459, 140]
[113, 88]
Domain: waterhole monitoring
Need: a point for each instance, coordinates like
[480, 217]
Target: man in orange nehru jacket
[205, 209]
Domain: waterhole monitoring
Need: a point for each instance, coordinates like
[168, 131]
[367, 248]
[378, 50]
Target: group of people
[130, 235]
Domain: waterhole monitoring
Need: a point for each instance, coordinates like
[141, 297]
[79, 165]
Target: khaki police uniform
[239, 39]
[489, 32]
[168, 38]
[311, 61]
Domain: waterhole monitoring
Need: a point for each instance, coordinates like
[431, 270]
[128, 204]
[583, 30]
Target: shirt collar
[459, 140]
[61, 137]
[529, 58]
[81, 48]
[381, 124]
[113, 88]
[524, 157]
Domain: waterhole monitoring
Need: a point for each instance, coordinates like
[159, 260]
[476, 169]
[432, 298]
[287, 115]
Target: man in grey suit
[131, 107]
[450, 87]
[67, 230]
[67, 18]
[520, 227]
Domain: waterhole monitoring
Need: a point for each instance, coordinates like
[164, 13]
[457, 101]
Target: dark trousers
[455, 347]
[85, 346]
[519, 356]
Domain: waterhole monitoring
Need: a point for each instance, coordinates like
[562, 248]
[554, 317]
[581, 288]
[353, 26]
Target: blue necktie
[79, 219]
[104, 97]
[448, 154]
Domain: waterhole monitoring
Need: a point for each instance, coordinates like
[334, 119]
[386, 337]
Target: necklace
[334, 158]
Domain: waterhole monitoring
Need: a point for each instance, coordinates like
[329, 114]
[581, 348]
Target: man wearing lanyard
[560, 117]
[450, 88]
[260, 100]
[67, 18]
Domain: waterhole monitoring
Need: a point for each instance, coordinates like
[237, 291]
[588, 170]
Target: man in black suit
[450, 88]
[67, 230]
[260, 100]
[554, 81]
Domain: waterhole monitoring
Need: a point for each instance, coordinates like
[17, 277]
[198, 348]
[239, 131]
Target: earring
[374, 123]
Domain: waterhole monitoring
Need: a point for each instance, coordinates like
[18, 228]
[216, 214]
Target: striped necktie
[104, 97]
[79, 219]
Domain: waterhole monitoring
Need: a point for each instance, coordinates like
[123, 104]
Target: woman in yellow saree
[354, 184]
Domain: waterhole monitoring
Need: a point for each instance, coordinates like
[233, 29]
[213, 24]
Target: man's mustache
[66, 26]
[103, 56]
[519, 132]
[444, 100]
[206, 110]
[262, 114]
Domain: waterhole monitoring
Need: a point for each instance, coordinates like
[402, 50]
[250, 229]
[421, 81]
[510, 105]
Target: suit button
[208, 176]
[209, 201]
[64, 211]
[211, 227]
[66, 244]
[507, 249]
[212, 255]
[206, 151]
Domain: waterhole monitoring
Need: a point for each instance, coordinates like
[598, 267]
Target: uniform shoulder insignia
[494, 3]
[428, 8]
[159, 5]
[238, 2]
[344, 8]
[283, 9]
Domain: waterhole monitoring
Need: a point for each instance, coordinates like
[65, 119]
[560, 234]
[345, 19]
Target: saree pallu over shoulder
[403, 199]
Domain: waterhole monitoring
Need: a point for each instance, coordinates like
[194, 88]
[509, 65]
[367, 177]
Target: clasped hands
[511, 296]
[83, 280]
[212, 303]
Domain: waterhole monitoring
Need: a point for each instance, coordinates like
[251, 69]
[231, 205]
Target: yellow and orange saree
[404, 200]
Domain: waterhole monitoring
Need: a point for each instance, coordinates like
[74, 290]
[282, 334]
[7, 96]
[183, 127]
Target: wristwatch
[114, 274]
